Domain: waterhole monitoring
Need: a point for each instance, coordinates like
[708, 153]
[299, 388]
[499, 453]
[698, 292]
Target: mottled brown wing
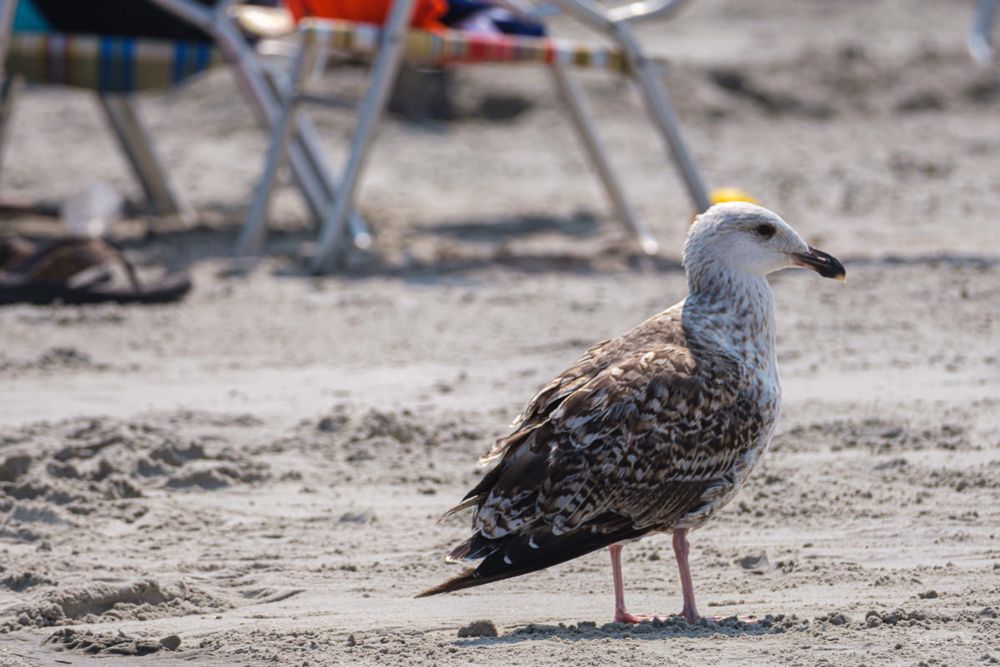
[641, 436]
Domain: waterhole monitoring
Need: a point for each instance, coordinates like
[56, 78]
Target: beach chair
[117, 67]
[114, 68]
[262, 87]
[980, 41]
[393, 43]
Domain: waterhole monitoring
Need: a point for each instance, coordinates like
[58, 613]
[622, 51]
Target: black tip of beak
[822, 263]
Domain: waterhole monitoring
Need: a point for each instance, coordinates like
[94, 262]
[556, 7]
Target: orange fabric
[425, 12]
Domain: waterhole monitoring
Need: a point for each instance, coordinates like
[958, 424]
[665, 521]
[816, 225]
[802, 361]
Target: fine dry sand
[254, 476]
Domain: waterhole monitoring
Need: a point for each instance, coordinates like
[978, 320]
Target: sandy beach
[255, 475]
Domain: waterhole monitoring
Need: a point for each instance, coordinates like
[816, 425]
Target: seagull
[650, 432]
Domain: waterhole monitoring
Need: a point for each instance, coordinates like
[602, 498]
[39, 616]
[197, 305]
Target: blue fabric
[461, 10]
[180, 58]
[128, 64]
[105, 80]
[203, 52]
[27, 18]
[116, 66]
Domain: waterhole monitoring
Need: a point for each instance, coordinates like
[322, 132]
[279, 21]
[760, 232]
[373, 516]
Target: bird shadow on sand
[671, 627]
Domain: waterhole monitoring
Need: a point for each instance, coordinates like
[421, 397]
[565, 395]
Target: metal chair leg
[662, 112]
[163, 195]
[252, 233]
[10, 84]
[315, 176]
[583, 120]
[309, 169]
[9, 90]
[615, 24]
[383, 74]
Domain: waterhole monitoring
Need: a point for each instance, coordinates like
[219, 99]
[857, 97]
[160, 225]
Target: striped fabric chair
[393, 43]
[116, 67]
[107, 64]
[422, 47]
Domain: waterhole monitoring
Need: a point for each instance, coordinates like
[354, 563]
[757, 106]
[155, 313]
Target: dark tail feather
[465, 580]
[513, 556]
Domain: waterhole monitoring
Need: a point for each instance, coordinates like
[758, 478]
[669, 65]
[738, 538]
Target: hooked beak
[825, 265]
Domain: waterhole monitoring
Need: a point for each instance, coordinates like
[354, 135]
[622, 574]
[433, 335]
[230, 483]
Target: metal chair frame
[615, 23]
[163, 196]
[261, 87]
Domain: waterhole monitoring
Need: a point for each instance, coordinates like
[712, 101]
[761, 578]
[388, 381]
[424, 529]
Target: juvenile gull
[653, 431]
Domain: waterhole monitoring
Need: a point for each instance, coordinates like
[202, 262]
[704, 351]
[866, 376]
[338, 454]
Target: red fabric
[425, 12]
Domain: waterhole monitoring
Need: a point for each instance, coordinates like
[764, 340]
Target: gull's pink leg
[681, 550]
[621, 616]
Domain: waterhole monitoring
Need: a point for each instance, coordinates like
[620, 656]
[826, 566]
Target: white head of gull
[653, 431]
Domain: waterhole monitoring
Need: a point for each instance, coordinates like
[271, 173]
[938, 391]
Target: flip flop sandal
[79, 271]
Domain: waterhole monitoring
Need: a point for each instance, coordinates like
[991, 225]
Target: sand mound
[110, 644]
[20, 581]
[269, 646]
[50, 473]
[56, 359]
[399, 447]
[138, 600]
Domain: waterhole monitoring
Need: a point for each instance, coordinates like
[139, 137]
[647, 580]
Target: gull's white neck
[736, 310]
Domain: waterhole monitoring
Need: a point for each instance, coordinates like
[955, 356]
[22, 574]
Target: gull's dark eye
[765, 230]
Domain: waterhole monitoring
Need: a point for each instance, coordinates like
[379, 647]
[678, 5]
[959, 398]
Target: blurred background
[867, 125]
